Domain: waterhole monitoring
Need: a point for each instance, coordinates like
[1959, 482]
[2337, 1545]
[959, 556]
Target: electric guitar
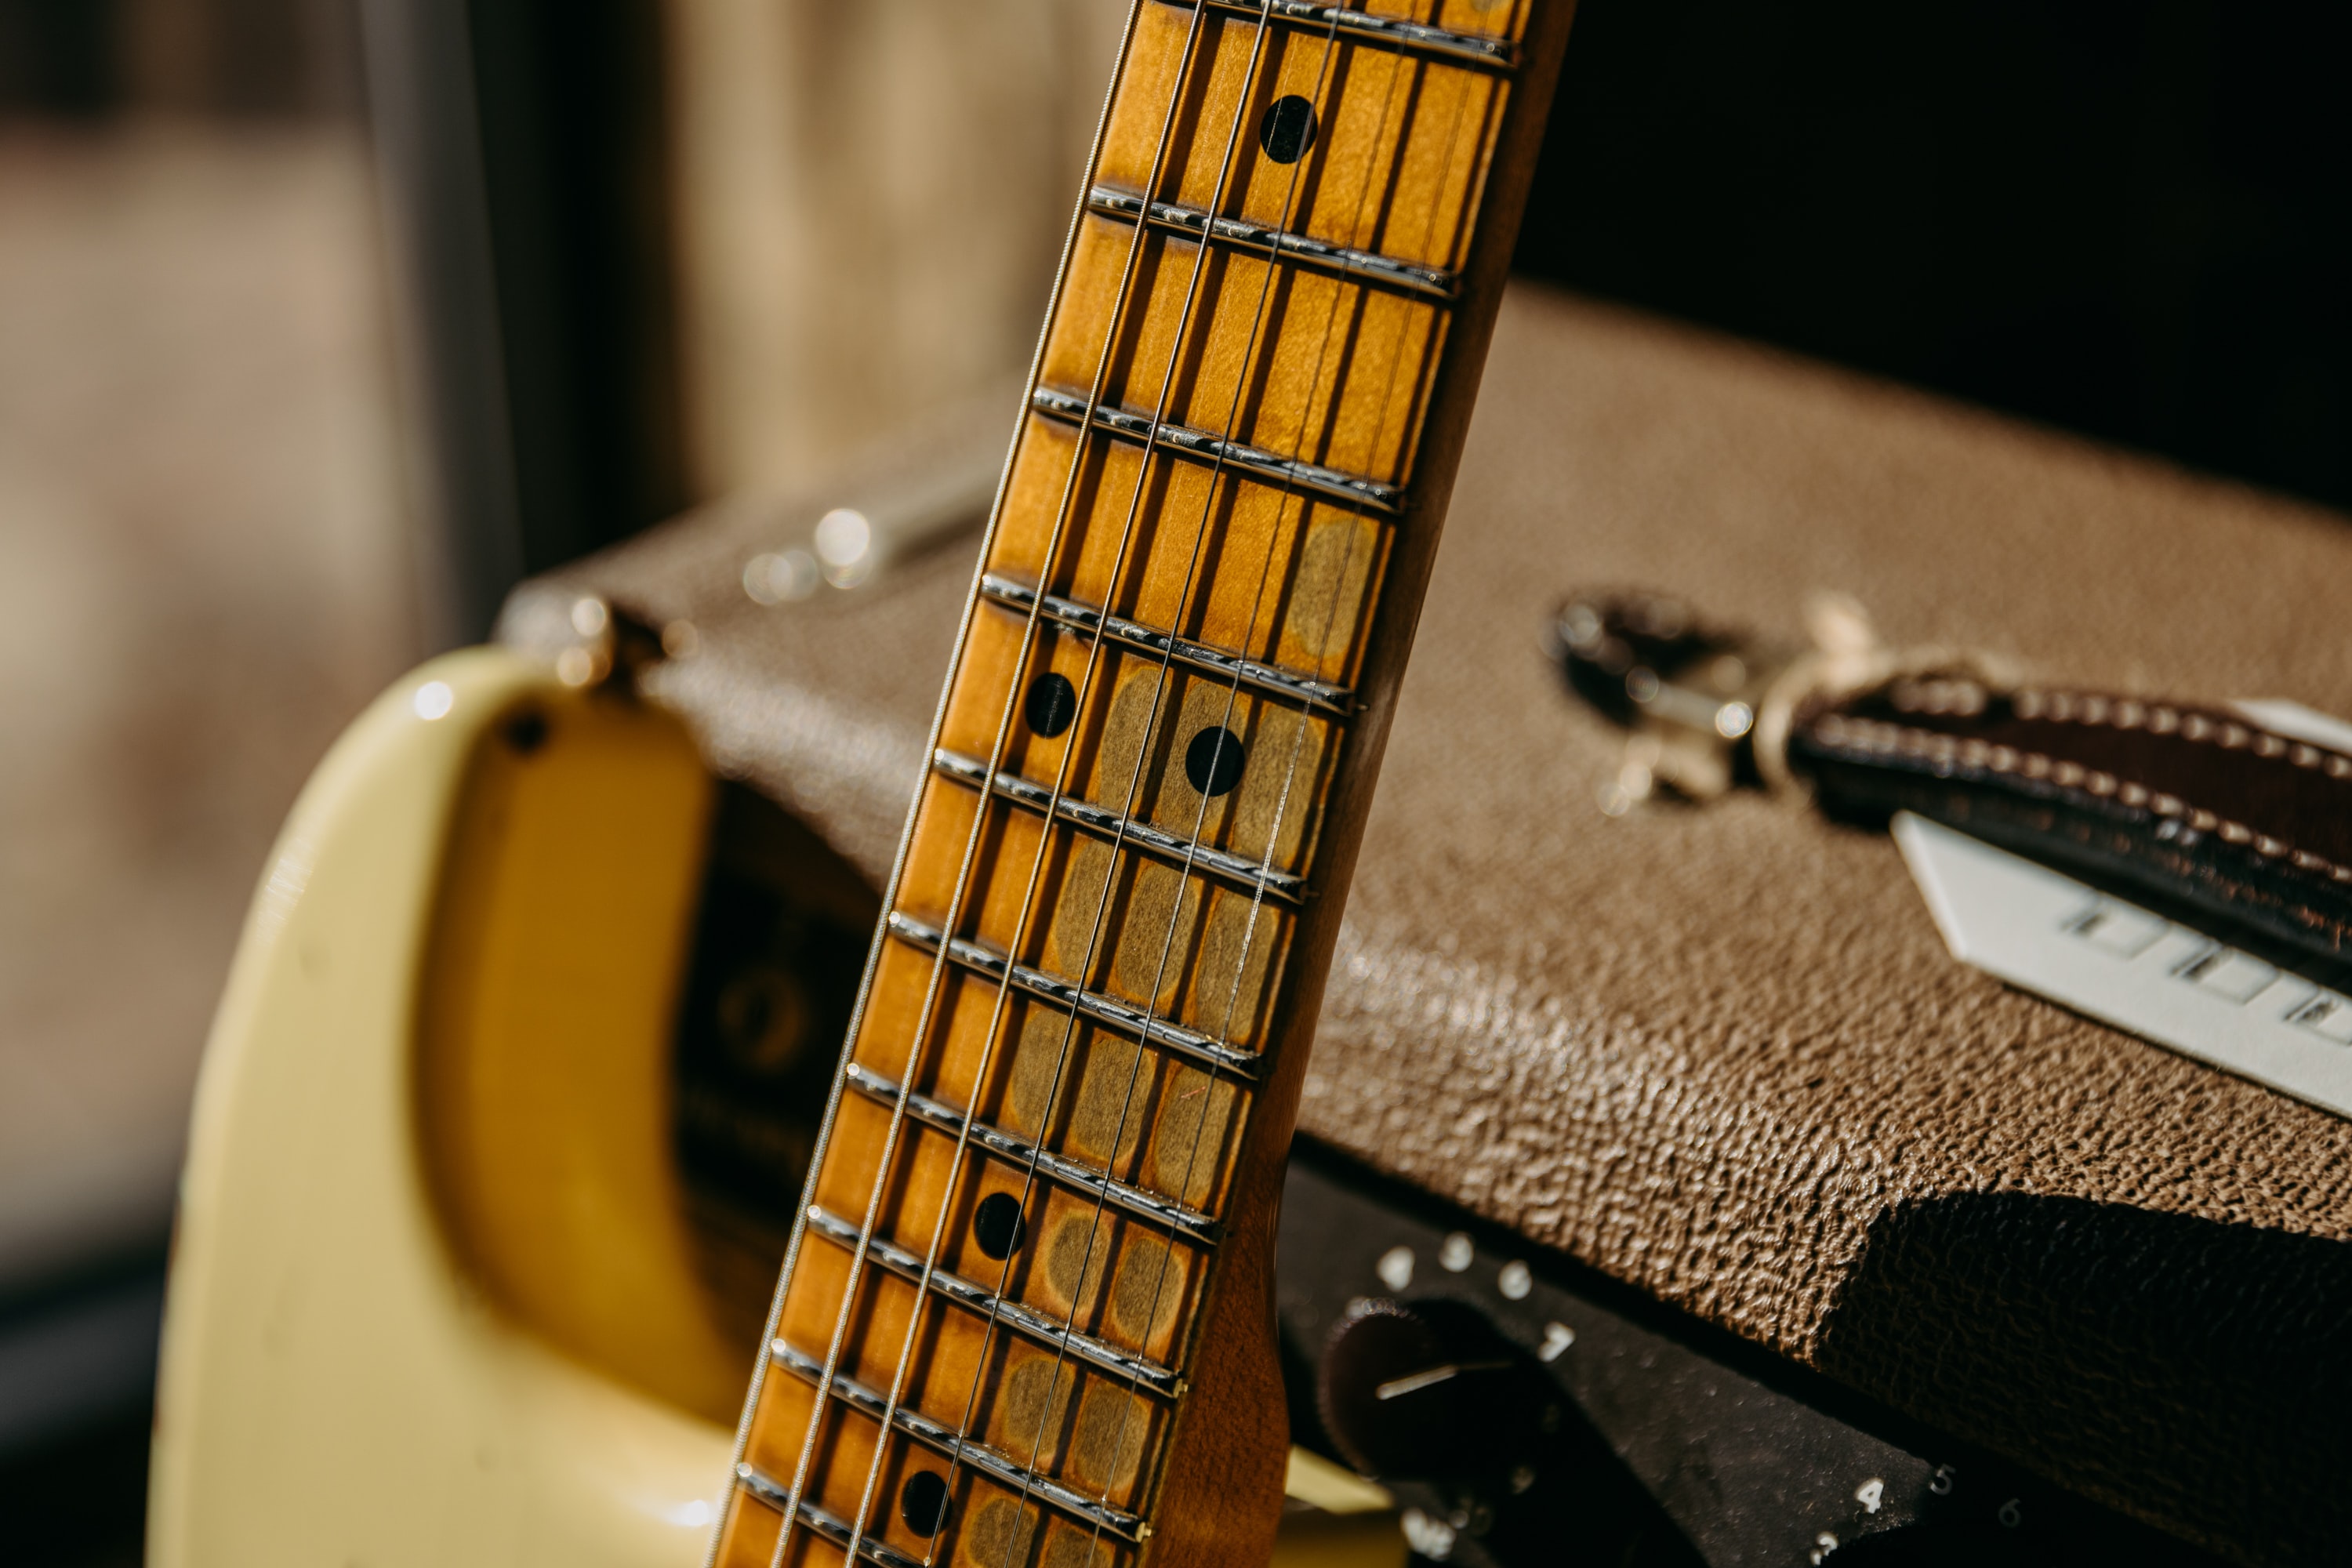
[433, 1297]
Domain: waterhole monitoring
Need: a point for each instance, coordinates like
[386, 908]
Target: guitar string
[1298, 744]
[1472, 186]
[1290, 775]
[1230, 995]
[1135, 784]
[1233, 993]
[819, 1407]
[1143, 478]
[923, 1029]
[926, 1016]
[1331, 606]
[958, 1167]
[1405, 74]
[1387, 404]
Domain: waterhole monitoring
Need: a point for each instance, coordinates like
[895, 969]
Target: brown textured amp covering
[1720, 1053]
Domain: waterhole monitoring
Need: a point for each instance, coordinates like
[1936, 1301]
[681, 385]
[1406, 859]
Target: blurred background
[323, 321]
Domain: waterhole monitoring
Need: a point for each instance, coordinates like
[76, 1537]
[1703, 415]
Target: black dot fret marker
[1052, 704]
[923, 1502]
[1287, 130]
[997, 1225]
[1213, 760]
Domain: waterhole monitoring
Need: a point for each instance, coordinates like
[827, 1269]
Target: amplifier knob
[1431, 1397]
[1432, 1392]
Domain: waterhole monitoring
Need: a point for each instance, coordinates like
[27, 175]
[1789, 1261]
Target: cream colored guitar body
[432, 1298]
[341, 1383]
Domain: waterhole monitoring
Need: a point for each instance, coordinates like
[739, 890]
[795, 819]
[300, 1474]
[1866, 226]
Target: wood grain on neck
[1091, 1002]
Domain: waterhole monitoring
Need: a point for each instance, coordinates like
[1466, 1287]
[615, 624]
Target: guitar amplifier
[1745, 1226]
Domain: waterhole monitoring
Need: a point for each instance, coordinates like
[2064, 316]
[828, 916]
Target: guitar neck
[1025, 1314]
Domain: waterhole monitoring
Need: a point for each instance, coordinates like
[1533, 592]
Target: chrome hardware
[808, 547]
[1689, 693]
[587, 639]
[1708, 708]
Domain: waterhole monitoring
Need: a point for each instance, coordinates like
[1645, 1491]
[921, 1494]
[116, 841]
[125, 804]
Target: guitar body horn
[432, 1295]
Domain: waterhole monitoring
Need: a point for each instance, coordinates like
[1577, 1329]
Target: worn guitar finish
[1025, 1316]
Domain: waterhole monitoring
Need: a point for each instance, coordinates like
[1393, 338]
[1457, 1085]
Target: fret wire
[1127, 534]
[1472, 196]
[1150, 723]
[1168, 1216]
[938, 1436]
[1004, 721]
[826, 1525]
[1123, 830]
[1167, 650]
[1499, 53]
[1283, 798]
[1374, 495]
[1143, 1026]
[1273, 679]
[1427, 282]
[1290, 775]
[981, 1300]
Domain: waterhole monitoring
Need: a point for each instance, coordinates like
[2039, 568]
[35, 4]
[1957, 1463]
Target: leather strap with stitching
[2199, 814]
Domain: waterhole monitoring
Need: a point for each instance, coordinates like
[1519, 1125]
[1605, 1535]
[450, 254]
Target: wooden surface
[1301, 364]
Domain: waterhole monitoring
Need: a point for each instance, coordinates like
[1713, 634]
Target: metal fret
[777, 1495]
[1499, 53]
[1337, 702]
[1138, 1370]
[1279, 555]
[945, 1440]
[1092, 1005]
[1189, 1224]
[1285, 886]
[1366, 266]
[1365, 494]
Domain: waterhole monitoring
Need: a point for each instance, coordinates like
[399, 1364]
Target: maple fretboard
[1024, 1318]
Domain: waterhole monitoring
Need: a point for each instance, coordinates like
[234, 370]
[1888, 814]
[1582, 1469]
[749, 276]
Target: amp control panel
[1525, 1411]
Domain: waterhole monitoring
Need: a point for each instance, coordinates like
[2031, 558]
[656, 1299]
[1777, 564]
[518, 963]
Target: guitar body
[432, 1294]
[431, 1297]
